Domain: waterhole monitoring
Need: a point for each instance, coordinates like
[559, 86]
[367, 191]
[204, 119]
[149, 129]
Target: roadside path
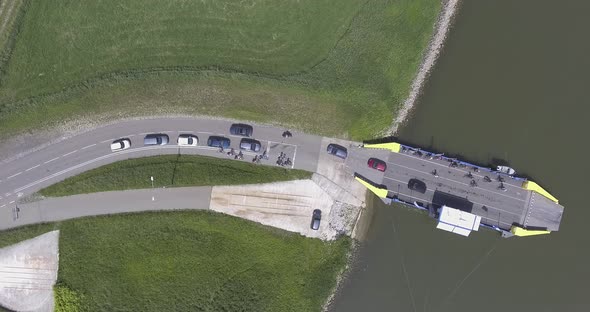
[76, 206]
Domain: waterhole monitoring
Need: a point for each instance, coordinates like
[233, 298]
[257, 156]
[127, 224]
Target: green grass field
[188, 261]
[332, 67]
[171, 171]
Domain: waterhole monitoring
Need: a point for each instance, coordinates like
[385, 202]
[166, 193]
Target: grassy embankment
[171, 171]
[330, 67]
[188, 261]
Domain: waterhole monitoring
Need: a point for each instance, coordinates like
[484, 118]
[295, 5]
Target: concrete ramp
[28, 271]
[286, 205]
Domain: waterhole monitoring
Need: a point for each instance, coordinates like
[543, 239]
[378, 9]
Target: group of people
[283, 160]
[233, 153]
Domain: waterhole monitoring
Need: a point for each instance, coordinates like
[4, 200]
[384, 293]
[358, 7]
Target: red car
[377, 164]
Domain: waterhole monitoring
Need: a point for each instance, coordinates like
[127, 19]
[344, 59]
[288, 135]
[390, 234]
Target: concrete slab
[28, 271]
[286, 205]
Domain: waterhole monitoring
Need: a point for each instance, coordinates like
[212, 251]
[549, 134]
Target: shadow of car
[241, 129]
[337, 150]
[250, 145]
[417, 185]
[315, 219]
[218, 141]
[156, 139]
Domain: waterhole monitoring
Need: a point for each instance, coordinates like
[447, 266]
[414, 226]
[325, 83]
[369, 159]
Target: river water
[512, 83]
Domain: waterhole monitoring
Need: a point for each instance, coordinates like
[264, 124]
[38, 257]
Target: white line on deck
[88, 146]
[37, 166]
[455, 181]
[70, 153]
[14, 175]
[429, 190]
[56, 158]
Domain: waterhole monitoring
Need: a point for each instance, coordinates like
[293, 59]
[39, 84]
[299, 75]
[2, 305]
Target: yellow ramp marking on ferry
[392, 146]
[378, 191]
[518, 231]
[532, 186]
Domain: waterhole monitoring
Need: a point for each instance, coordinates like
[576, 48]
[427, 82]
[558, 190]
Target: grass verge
[188, 261]
[351, 65]
[171, 171]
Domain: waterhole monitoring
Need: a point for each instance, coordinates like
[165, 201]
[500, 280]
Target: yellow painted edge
[392, 146]
[518, 231]
[378, 191]
[530, 185]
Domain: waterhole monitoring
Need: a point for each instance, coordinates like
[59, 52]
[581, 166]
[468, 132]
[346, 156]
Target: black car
[218, 141]
[241, 129]
[337, 150]
[250, 145]
[417, 185]
[315, 219]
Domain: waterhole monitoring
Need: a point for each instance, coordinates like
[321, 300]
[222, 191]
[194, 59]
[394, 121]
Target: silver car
[156, 139]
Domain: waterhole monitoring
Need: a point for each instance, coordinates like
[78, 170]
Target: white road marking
[189, 131]
[37, 166]
[2, 206]
[283, 143]
[14, 175]
[129, 136]
[205, 132]
[70, 153]
[56, 158]
[107, 140]
[294, 154]
[88, 146]
[12, 202]
[146, 148]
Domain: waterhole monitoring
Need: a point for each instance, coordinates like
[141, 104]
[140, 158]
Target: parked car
[337, 150]
[417, 185]
[250, 145]
[241, 129]
[377, 164]
[156, 139]
[315, 219]
[120, 144]
[218, 141]
[187, 140]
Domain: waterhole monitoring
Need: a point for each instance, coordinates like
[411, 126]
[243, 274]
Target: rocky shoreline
[443, 24]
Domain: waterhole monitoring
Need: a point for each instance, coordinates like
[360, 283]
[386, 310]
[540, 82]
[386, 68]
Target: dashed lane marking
[2, 206]
[70, 153]
[12, 202]
[88, 146]
[14, 175]
[56, 158]
[37, 166]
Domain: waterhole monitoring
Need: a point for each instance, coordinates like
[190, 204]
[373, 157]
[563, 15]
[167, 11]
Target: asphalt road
[27, 174]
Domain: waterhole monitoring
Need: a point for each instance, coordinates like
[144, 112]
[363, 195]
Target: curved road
[25, 175]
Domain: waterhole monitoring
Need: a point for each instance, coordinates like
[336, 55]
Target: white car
[120, 144]
[187, 140]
